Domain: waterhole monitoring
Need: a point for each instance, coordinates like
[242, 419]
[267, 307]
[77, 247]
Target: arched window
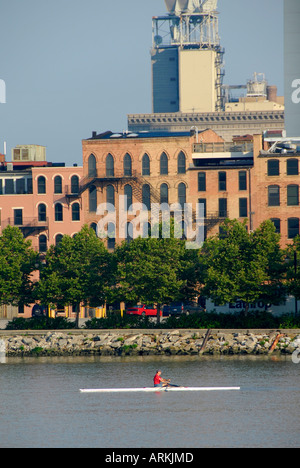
[42, 212]
[164, 193]
[292, 167]
[111, 236]
[74, 184]
[128, 195]
[129, 232]
[94, 227]
[181, 163]
[57, 184]
[293, 195]
[164, 170]
[42, 243]
[110, 166]
[92, 166]
[76, 212]
[273, 167]
[41, 184]
[58, 239]
[92, 199]
[273, 195]
[110, 195]
[127, 165]
[58, 212]
[182, 194]
[146, 196]
[146, 165]
[276, 222]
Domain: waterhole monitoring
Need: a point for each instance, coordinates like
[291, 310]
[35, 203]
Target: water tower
[187, 58]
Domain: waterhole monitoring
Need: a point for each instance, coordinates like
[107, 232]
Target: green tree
[237, 265]
[79, 270]
[153, 270]
[17, 264]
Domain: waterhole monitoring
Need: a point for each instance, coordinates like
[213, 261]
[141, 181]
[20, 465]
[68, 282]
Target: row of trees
[236, 265]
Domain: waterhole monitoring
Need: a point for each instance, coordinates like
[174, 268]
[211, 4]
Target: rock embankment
[158, 342]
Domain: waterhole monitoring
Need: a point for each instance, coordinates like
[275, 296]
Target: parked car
[143, 310]
[178, 308]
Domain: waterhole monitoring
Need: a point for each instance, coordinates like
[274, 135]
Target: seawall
[149, 342]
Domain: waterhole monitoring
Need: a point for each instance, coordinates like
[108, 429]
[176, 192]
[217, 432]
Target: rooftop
[140, 135]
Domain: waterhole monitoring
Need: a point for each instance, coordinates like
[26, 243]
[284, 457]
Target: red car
[142, 310]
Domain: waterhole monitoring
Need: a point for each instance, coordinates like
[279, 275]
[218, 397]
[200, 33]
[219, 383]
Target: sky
[72, 67]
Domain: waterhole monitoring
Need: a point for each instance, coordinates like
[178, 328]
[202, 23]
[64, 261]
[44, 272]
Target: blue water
[41, 406]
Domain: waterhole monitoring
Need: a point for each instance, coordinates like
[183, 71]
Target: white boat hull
[156, 389]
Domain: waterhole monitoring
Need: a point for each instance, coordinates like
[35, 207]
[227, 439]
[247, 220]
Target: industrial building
[188, 74]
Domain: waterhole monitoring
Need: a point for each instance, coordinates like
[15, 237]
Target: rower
[159, 381]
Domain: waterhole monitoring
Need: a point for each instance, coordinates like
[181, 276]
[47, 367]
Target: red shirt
[157, 379]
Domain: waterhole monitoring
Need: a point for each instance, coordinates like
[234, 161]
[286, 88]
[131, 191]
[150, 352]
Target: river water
[41, 406]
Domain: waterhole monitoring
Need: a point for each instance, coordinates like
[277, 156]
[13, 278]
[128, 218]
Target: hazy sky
[74, 66]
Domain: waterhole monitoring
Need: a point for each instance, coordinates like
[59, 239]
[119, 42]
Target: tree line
[234, 265]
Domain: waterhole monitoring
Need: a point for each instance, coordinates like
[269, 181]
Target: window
[182, 194]
[110, 195]
[222, 207]
[58, 239]
[18, 217]
[164, 169]
[146, 165]
[110, 166]
[273, 195]
[243, 208]
[76, 212]
[201, 182]
[111, 233]
[20, 186]
[29, 185]
[92, 199]
[42, 212]
[57, 184]
[92, 166]
[181, 163]
[128, 199]
[127, 165]
[164, 193]
[202, 201]
[273, 167]
[293, 195]
[74, 184]
[222, 181]
[146, 230]
[41, 185]
[42, 243]
[292, 167]
[58, 212]
[129, 232]
[242, 180]
[94, 227]
[9, 186]
[276, 222]
[146, 196]
[293, 227]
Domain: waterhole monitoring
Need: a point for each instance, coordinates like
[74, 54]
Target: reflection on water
[41, 405]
